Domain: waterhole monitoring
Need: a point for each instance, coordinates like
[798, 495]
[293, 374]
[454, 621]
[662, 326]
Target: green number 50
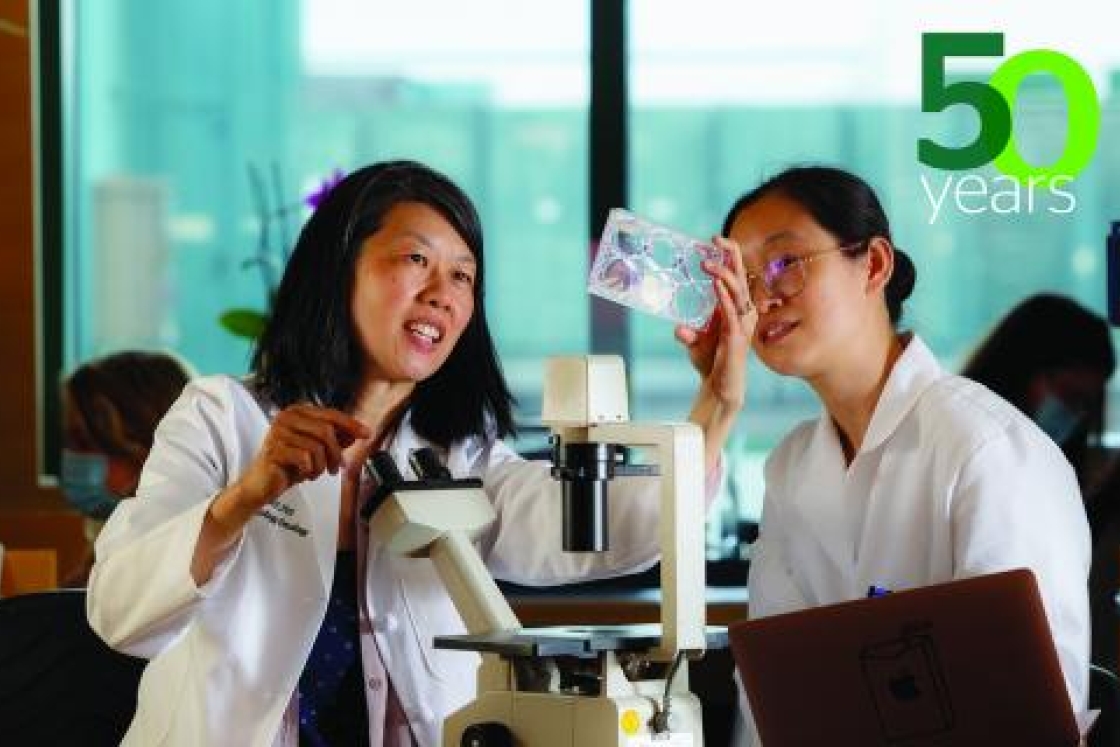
[994, 101]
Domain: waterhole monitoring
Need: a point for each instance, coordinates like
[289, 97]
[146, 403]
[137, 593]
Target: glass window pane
[724, 94]
[173, 107]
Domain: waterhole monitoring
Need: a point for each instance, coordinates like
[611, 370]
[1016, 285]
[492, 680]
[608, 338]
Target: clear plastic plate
[654, 268]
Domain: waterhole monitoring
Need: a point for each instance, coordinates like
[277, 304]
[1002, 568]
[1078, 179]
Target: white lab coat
[226, 658]
[951, 481]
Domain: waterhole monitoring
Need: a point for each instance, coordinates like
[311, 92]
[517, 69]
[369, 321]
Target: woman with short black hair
[270, 613]
[308, 353]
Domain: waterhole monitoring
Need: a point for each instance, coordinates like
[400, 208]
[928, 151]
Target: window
[172, 108]
[724, 94]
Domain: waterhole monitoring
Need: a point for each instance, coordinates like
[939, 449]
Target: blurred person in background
[1052, 358]
[110, 409]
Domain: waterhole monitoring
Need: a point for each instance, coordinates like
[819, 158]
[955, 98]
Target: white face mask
[82, 480]
[1057, 419]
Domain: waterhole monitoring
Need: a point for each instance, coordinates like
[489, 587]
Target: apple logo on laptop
[903, 686]
[907, 687]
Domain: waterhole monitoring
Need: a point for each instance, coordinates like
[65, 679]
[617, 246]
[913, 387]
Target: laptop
[969, 662]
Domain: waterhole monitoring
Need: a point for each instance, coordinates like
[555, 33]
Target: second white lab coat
[226, 658]
[951, 481]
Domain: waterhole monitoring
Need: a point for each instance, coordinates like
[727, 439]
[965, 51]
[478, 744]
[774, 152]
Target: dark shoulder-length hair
[847, 207]
[1042, 334]
[309, 350]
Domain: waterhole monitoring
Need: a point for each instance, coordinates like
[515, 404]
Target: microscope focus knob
[489, 734]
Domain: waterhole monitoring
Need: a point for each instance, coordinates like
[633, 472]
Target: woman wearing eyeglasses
[911, 476]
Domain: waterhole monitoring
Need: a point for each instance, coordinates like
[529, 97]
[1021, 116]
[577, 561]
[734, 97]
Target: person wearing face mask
[911, 476]
[1052, 358]
[243, 570]
[111, 407]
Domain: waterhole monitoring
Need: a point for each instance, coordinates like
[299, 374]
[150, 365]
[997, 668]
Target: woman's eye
[464, 277]
[784, 262]
[417, 258]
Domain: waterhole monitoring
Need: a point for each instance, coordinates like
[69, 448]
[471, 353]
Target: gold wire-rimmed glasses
[784, 276]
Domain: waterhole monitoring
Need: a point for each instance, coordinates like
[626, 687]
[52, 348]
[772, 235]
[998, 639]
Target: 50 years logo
[1014, 189]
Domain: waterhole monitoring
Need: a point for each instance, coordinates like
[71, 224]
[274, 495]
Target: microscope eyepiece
[384, 468]
[430, 475]
[427, 466]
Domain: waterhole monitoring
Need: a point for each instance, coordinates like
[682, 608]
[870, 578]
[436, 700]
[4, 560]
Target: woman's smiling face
[414, 294]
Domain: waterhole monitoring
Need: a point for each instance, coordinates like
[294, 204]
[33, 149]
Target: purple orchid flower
[314, 199]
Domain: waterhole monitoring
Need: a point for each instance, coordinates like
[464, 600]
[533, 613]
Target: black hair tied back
[901, 284]
[847, 207]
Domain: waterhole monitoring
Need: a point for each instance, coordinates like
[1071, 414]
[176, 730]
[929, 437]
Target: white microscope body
[586, 686]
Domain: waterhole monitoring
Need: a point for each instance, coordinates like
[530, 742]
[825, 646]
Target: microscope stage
[569, 640]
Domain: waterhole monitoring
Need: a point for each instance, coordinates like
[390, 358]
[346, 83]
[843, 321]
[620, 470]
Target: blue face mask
[1057, 419]
[83, 483]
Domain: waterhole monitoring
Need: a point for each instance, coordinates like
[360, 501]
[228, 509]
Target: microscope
[586, 686]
